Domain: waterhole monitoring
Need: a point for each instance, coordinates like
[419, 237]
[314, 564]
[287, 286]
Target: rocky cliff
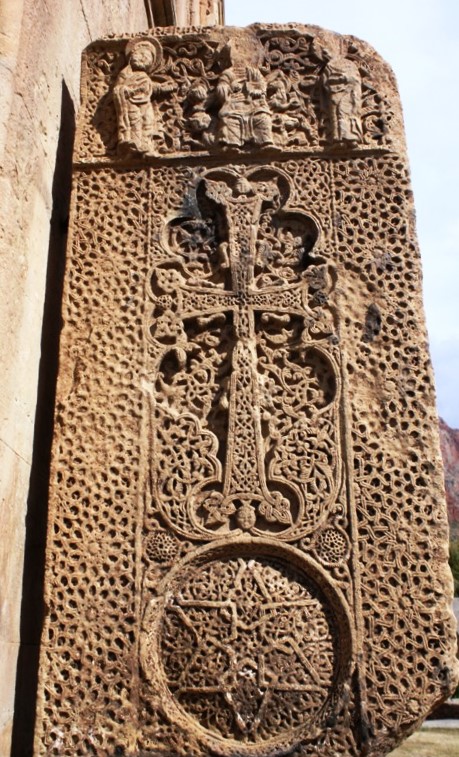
[449, 443]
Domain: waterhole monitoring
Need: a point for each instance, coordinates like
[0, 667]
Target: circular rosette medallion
[249, 646]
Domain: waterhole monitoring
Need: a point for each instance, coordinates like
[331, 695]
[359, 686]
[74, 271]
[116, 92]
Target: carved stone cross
[246, 492]
[246, 554]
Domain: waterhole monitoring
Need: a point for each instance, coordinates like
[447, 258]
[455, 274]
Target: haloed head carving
[133, 95]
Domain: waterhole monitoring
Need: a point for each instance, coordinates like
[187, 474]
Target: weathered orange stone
[247, 548]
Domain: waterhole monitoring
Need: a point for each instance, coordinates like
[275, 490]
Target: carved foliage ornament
[269, 89]
[242, 339]
[244, 553]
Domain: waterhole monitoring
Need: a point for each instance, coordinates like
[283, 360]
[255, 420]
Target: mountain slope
[449, 444]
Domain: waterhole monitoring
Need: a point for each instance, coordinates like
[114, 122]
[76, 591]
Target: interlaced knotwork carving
[248, 649]
[248, 435]
[267, 681]
[246, 552]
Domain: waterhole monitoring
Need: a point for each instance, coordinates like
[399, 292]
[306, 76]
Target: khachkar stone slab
[247, 540]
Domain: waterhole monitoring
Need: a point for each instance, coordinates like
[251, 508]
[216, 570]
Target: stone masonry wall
[40, 47]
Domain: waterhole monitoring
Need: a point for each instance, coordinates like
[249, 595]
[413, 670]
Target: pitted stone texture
[247, 544]
[40, 44]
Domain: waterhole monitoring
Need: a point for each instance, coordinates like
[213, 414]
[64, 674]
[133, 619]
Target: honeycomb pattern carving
[161, 546]
[246, 551]
[331, 545]
[398, 490]
[96, 465]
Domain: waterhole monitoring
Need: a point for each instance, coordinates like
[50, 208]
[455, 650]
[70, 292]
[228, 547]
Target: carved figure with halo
[133, 94]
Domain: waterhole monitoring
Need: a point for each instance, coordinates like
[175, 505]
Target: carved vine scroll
[300, 91]
[245, 552]
[245, 365]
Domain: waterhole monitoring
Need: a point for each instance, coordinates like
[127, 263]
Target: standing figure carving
[133, 93]
[246, 543]
[244, 115]
[342, 95]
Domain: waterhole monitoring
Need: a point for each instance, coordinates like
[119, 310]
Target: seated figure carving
[244, 115]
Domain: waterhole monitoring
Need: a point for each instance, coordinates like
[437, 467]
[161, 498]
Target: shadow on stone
[32, 610]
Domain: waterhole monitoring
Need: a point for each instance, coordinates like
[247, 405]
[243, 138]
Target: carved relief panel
[238, 462]
[197, 93]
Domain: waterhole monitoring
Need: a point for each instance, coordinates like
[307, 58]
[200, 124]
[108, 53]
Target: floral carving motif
[265, 88]
[244, 364]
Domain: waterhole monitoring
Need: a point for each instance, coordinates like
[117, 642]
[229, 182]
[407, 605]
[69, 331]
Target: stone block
[247, 550]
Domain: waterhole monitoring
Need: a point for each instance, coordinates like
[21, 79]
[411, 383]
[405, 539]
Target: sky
[420, 40]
